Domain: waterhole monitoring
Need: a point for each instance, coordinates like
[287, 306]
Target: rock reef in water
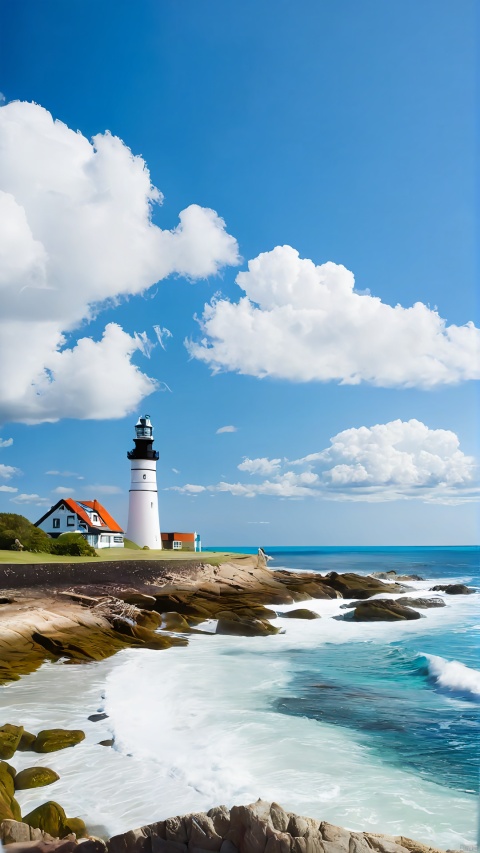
[261, 827]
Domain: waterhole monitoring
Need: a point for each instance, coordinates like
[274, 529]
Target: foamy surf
[454, 676]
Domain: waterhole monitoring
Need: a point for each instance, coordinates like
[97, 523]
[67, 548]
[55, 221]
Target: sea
[371, 726]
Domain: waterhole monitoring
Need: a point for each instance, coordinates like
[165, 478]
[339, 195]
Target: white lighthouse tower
[143, 522]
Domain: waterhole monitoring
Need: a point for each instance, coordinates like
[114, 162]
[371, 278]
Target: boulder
[134, 841]
[383, 610]
[422, 603]
[35, 777]
[173, 621]
[279, 817]
[9, 808]
[108, 742]
[245, 627]
[95, 718]
[51, 740]
[10, 737]
[26, 742]
[201, 833]
[358, 586]
[248, 827]
[14, 831]
[220, 816]
[149, 619]
[453, 589]
[51, 818]
[299, 613]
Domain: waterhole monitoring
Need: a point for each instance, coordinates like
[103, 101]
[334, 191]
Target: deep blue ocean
[411, 700]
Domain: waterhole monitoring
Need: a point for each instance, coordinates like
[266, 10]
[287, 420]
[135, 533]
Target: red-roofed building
[89, 518]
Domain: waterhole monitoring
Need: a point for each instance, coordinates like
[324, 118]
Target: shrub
[72, 545]
[14, 526]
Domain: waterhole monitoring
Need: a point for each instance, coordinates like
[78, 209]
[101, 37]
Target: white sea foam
[453, 675]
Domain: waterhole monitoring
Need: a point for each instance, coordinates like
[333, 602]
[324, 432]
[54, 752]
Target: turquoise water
[411, 700]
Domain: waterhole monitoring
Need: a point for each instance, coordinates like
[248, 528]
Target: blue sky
[343, 130]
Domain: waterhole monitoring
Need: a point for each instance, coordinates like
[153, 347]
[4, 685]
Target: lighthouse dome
[143, 427]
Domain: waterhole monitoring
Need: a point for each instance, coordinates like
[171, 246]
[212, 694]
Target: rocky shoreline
[79, 613]
[260, 827]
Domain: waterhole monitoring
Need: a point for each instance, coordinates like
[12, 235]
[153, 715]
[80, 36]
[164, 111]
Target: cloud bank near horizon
[399, 460]
[76, 233]
[302, 322]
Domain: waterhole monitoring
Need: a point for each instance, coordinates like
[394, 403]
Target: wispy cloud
[8, 489]
[30, 499]
[63, 490]
[7, 471]
[229, 428]
[6, 442]
[64, 474]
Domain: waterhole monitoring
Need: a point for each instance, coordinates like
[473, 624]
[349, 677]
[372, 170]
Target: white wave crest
[453, 675]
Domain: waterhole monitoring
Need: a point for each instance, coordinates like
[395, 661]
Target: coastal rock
[51, 740]
[382, 610]
[26, 742]
[108, 742]
[392, 576]
[9, 808]
[35, 777]
[422, 603]
[95, 718]
[149, 619]
[51, 818]
[245, 628]
[453, 589]
[357, 586]
[10, 737]
[260, 827]
[299, 613]
[220, 816]
[173, 621]
[14, 831]
[279, 817]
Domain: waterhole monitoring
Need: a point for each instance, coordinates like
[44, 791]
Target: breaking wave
[453, 676]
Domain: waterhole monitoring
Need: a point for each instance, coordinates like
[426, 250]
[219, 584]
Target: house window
[118, 538]
[70, 521]
[95, 518]
[56, 523]
[177, 545]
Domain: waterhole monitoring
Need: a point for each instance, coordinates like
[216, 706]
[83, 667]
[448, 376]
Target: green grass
[108, 554]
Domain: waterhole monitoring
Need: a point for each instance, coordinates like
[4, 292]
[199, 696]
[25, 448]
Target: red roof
[105, 517]
[179, 537]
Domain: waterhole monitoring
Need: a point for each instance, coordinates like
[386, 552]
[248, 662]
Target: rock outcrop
[35, 777]
[453, 589]
[382, 610]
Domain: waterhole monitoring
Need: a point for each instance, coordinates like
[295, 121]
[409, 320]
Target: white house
[89, 518]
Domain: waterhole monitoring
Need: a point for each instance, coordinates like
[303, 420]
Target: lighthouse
[143, 522]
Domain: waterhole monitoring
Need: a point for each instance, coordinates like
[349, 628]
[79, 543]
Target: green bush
[14, 526]
[72, 545]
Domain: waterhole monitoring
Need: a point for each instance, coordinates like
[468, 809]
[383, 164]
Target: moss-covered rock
[76, 825]
[9, 808]
[35, 777]
[173, 621]
[51, 740]
[51, 818]
[26, 742]
[10, 737]
[245, 627]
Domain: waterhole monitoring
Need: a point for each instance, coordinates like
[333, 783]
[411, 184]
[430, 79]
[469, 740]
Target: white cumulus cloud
[303, 322]
[7, 471]
[76, 233]
[8, 489]
[400, 460]
[223, 429]
[6, 442]
[262, 466]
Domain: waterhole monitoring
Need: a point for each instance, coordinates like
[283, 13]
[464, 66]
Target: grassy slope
[108, 554]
